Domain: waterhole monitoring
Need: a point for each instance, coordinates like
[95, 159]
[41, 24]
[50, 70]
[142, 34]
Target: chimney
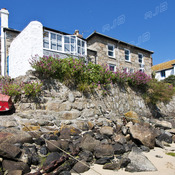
[4, 18]
[77, 34]
[4, 24]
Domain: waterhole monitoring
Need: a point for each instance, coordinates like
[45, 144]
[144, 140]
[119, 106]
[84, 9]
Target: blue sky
[146, 23]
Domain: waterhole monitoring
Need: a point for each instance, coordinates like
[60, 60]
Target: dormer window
[70, 44]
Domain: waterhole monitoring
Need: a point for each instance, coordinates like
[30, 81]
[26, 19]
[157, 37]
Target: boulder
[139, 162]
[12, 165]
[132, 116]
[107, 130]
[51, 157]
[104, 150]
[89, 143]
[165, 137]
[81, 167]
[118, 148]
[111, 166]
[15, 172]
[8, 150]
[53, 145]
[144, 134]
[163, 124]
[86, 156]
[70, 115]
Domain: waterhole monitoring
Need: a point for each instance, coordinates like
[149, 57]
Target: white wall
[167, 74]
[25, 46]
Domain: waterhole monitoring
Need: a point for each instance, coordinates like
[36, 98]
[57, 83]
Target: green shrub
[170, 79]
[159, 92]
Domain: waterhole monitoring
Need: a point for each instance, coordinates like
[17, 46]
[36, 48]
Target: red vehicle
[5, 103]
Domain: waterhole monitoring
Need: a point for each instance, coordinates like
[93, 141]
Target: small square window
[112, 67]
[110, 50]
[162, 73]
[127, 55]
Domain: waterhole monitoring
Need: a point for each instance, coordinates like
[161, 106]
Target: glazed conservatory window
[64, 43]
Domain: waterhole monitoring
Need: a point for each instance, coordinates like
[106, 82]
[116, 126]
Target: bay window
[70, 44]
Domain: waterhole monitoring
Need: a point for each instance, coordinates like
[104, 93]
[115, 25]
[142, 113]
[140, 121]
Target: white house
[164, 70]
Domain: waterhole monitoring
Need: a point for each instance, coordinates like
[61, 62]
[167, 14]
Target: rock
[8, 150]
[164, 137]
[119, 138]
[70, 115]
[144, 134]
[144, 148]
[87, 156]
[173, 138]
[102, 161]
[12, 165]
[118, 148]
[82, 125]
[132, 116]
[163, 124]
[111, 166]
[139, 162]
[81, 167]
[107, 130]
[4, 136]
[44, 150]
[65, 173]
[15, 172]
[67, 131]
[30, 128]
[39, 141]
[78, 105]
[89, 143]
[51, 157]
[172, 131]
[124, 130]
[52, 145]
[124, 162]
[104, 150]
[86, 113]
[71, 97]
[159, 144]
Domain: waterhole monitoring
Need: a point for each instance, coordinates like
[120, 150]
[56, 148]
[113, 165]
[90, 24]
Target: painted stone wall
[25, 46]
[99, 44]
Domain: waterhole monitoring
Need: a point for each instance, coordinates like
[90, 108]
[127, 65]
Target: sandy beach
[165, 165]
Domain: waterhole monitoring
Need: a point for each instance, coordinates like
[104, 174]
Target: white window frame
[75, 52]
[113, 51]
[128, 55]
[112, 65]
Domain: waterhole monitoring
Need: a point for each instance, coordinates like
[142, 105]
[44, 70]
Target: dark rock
[86, 156]
[158, 156]
[81, 167]
[39, 141]
[144, 148]
[50, 137]
[159, 143]
[118, 148]
[164, 137]
[99, 136]
[67, 131]
[53, 145]
[9, 150]
[139, 162]
[35, 159]
[104, 150]
[111, 166]
[65, 173]
[102, 161]
[89, 143]
[51, 157]
[124, 162]
[44, 150]
[12, 165]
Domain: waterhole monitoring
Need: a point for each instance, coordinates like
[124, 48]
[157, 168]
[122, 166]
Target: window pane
[66, 39]
[83, 44]
[112, 68]
[83, 51]
[110, 47]
[72, 40]
[79, 42]
[79, 50]
[67, 47]
[140, 58]
[53, 36]
[59, 47]
[46, 45]
[126, 52]
[46, 35]
[126, 57]
[53, 46]
[72, 48]
[110, 53]
[59, 38]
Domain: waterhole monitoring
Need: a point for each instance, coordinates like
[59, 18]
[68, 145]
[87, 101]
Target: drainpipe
[4, 24]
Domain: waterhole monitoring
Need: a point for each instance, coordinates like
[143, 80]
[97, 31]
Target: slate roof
[163, 66]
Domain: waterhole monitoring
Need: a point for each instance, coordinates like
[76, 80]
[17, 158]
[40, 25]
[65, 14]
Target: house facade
[164, 70]
[17, 48]
[119, 55]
